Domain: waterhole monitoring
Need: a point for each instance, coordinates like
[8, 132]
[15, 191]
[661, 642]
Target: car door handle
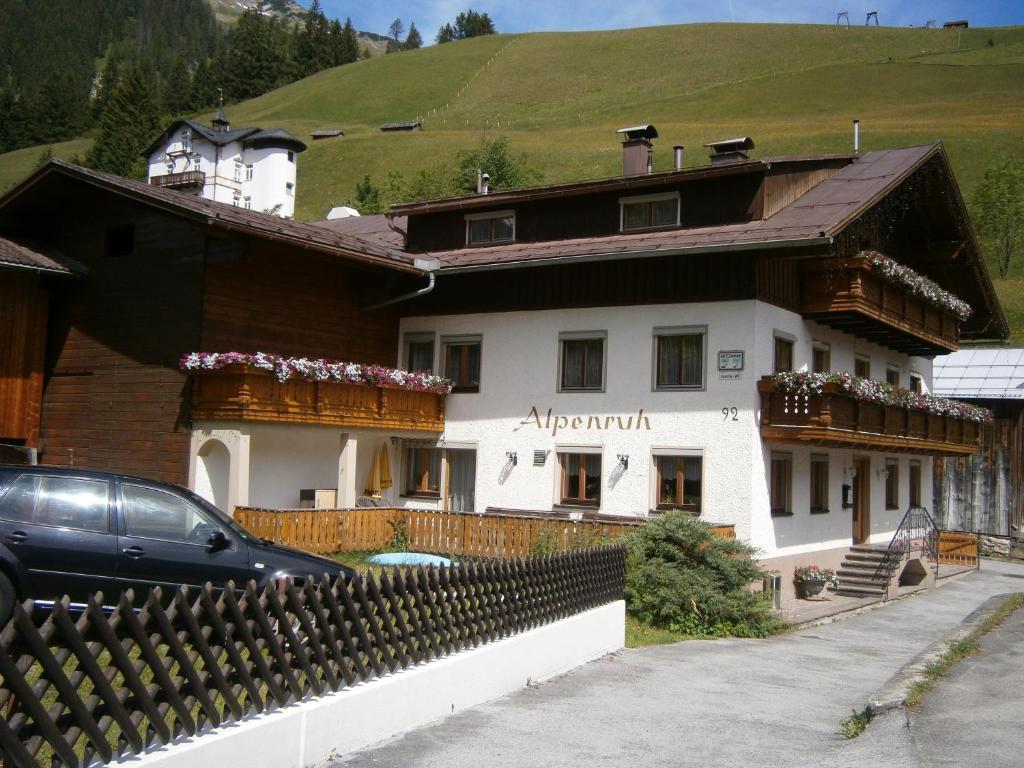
[17, 537]
[134, 552]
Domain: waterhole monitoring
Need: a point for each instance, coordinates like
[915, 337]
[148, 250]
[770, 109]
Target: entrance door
[861, 500]
[461, 480]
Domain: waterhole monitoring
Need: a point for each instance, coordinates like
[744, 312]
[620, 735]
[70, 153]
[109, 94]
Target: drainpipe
[430, 267]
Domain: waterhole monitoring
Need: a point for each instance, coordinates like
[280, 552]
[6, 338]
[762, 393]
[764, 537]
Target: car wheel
[7, 598]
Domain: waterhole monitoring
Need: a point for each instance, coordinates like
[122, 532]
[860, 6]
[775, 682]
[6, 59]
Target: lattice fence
[97, 686]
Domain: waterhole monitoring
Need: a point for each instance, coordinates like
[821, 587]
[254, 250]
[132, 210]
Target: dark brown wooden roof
[224, 216]
[22, 255]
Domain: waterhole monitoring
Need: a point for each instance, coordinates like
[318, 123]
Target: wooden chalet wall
[114, 399]
[984, 493]
[262, 298]
[159, 286]
[23, 303]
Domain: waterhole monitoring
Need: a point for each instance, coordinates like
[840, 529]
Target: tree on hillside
[469, 23]
[999, 211]
[348, 44]
[395, 30]
[414, 39]
[128, 124]
[58, 110]
[177, 90]
[507, 169]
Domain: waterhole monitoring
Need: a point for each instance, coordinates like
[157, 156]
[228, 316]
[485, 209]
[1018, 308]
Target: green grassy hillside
[560, 96]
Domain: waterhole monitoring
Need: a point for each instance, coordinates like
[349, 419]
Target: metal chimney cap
[645, 131]
[732, 145]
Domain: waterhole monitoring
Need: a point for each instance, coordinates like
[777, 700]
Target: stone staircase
[859, 575]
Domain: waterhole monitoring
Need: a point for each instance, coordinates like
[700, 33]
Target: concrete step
[856, 590]
[862, 580]
[870, 548]
[871, 575]
[865, 557]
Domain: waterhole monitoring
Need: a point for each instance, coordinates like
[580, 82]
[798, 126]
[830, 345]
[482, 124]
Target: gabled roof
[223, 216]
[18, 254]
[274, 136]
[980, 374]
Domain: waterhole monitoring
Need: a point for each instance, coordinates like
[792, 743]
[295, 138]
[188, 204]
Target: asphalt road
[775, 702]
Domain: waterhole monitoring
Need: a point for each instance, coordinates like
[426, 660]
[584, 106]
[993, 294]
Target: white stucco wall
[519, 372]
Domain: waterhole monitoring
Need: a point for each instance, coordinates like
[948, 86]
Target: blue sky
[537, 15]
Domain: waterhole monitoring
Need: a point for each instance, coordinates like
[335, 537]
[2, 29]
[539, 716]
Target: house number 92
[731, 414]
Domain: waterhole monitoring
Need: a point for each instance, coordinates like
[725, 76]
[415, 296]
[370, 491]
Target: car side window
[62, 502]
[153, 514]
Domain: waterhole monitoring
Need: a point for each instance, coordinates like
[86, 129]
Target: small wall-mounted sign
[730, 363]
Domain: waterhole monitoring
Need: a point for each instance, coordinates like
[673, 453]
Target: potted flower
[811, 579]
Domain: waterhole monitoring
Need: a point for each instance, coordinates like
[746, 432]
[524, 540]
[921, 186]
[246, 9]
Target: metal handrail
[917, 525]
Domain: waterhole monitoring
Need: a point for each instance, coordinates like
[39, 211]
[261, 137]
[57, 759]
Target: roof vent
[637, 150]
[341, 212]
[730, 150]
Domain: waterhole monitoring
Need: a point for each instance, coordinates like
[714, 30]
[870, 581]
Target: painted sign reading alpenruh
[557, 422]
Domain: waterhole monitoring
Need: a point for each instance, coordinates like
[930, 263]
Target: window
[892, 375]
[462, 362]
[862, 366]
[491, 227]
[581, 478]
[289, 188]
[419, 351]
[238, 171]
[679, 358]
[236, 199]
[62, 502]
[153, 514]
[916, 383]
[247, 202]
[819, 483]
[821, 358]
[892, 484]
[649, 211]
[680, 482]
[582, 362]
[291, 156]
[120, 241]
[783, 360]
[248, 172]
[915, 483]
[781, 483]
[422, 471]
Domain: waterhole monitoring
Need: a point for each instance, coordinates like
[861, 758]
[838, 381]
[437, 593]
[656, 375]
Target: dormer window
[491, 227]
[648, 211]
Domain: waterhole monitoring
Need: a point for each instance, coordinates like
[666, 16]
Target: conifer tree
[349, 47]
[414, 39]
[128, 124]
[177, 90]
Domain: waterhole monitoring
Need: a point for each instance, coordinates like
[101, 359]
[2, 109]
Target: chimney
[677, 157]
[485, 183]
[479, 181]
[637, 150]
[730, 150]
[856, 137]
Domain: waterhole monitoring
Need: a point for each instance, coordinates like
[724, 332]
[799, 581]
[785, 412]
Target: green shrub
[682, 577]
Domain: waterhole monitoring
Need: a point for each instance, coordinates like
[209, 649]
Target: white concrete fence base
[315, 731]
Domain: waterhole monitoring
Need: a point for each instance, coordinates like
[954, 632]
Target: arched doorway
[213, 468]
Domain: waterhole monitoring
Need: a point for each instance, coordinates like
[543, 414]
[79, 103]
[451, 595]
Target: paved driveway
[775, 702]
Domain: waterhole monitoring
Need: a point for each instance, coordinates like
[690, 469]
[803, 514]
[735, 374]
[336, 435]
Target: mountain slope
[560, 96]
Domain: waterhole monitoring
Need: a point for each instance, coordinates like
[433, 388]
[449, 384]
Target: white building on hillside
[247, 167]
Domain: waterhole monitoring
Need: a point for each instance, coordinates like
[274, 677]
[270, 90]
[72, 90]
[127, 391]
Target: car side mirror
[217, 541]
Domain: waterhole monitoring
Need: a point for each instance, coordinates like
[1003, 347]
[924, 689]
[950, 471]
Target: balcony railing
[849, 295]
[179, 180]
[836, 419]
[242, 393]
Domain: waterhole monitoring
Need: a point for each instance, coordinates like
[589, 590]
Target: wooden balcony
[847, 294]
[179, 180]
[241, 393]
[835, 419]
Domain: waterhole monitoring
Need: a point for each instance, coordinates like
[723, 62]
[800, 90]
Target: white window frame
[504, 214]
[462, 339]
[247, 202]
[565, 336]
[289, 189]
[679, 330]
[653, 198]
[249, 171]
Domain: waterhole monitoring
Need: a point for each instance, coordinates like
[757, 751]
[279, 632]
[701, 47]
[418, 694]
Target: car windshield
[221, 517]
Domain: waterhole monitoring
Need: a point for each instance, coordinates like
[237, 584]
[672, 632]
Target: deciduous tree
[999, 212]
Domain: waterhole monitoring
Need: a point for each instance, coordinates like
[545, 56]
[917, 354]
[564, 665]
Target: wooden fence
[958, 548]
[446, 533]
[99, 687]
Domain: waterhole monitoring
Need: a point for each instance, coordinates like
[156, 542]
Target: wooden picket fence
[97, 687]
[494, 535]
[958, 548]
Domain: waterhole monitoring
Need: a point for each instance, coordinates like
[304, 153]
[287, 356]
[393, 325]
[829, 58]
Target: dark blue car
[76, 532]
